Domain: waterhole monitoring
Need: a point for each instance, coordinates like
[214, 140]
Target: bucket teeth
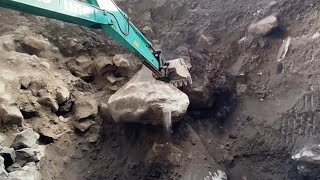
[178, 73]
[180, 83]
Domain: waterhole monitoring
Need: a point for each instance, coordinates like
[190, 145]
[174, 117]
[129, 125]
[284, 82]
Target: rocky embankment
[45, 95]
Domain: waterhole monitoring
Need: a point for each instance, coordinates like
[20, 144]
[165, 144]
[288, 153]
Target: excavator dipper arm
[106, 15]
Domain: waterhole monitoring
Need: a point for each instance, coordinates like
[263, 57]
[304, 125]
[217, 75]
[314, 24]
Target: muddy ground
[263, 108]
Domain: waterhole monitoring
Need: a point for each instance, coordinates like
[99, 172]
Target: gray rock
[120, 61]
[31, 174]
[3, 137]
[3, 172]
[48, 133]
[7, 43]
[308, 158]
[205, 41]
[84, 125]
[45, 65]
[29, 154]
[83, 60]
[264, 26]
[104, 65]
[124, 67]
[84, 71]
[85, 107]
[25, 139]
[112, 79]
[147, 30]
[49, 102]
[8, 154]
[25, 82]
[37, 43]
[309, 153]
[1, 161]
[201, 97]
[146, 100]
[11, 115]
[63, 94]
[104, 112]
[14, 167]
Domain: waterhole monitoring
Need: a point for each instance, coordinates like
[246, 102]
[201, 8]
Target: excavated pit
[254, 100]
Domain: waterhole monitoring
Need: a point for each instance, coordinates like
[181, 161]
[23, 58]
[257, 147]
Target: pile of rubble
[20, 160]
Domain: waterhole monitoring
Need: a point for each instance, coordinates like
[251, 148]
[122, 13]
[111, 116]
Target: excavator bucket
[178, 73]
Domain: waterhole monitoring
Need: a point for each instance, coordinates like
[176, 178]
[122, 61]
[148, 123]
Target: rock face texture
[148, 101]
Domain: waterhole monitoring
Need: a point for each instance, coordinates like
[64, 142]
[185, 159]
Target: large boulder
[146, 100]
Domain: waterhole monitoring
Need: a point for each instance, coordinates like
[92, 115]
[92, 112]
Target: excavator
[106, 15]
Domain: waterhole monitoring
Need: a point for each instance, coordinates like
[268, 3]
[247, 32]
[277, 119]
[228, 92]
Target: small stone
[7, 43]
[63, 94]
[241, 89]
[49, 134]
[147, 30]
[3, 137]
[31, 174]
[232, 136]
[228, 147]
[8, 154]
[49, 102]
[3, 172]
[85, 107]
[104, 112]
[93, 137]
[66, 107]
[14, 167]
[25, 82]
[104, 65]
[29, 155]
[316, 35]
[37, 42]
[82, 60]
[112, 79]
[264, 26]
[45, 65]
[205, 41]
[12, 115]
[120, 61]
[84, 125]
[25, 139]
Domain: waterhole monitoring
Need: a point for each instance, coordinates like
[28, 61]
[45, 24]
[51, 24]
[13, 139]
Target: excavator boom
[105, 15]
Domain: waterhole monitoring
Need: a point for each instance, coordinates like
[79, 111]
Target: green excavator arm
[106, 15]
